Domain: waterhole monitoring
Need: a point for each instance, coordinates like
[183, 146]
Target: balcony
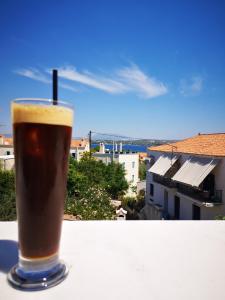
[168, 182]
[200, 195]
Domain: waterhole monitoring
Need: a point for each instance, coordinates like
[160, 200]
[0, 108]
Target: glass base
[36, 281]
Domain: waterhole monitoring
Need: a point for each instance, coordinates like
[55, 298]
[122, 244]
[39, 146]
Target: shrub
[93, 205]
[7, 196]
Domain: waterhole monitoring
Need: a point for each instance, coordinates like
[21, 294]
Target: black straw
[55, 86]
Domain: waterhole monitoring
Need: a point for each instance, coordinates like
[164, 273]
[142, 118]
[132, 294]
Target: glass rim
[43, 101]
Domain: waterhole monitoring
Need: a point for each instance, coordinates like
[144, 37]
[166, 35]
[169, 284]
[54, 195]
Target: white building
[186, 180]
[6, 146]
[130, 161]
[79, 147]
[6, 153]
[7, 162]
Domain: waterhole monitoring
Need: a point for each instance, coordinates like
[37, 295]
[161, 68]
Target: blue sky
[152, 69]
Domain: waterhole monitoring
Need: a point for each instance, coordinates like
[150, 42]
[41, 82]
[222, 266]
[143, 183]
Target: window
[132, 178]
[151, 189]
[7, 152]
[133, 164]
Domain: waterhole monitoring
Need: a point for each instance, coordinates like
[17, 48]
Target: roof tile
[201, 144]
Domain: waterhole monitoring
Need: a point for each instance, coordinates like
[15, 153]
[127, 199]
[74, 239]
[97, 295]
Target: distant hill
[143, 142]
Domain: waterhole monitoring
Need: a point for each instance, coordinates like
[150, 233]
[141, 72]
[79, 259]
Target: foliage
[7, 196]
[133, 205]
[90, 186]
[142, 170]
[93, 205]
[220, 218]
[128, 201]
[115, 183]
[90, 172]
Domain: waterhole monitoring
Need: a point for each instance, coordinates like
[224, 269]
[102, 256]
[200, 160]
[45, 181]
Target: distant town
[171, 180]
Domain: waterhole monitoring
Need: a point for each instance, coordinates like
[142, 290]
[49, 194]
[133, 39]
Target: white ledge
[134, 260]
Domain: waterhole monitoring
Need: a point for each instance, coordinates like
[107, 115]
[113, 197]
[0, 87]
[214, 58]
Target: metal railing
[164, 181]
[200, 195]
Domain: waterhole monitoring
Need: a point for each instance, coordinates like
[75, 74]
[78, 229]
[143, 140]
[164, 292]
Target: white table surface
[132, 260]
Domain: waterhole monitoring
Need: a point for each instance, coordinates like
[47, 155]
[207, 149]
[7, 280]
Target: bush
[93, 205]
[7, 196]
[220, 218]
[133, 205]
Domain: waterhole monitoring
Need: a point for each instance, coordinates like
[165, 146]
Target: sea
[126, 147]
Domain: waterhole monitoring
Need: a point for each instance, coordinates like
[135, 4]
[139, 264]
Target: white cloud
[125, 79]
[92, 80]
[192, 86]
[39, 76]
[136, 80]
[33, 74]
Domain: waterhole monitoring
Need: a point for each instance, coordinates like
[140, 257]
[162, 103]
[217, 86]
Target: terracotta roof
[202, 144]
[8, 141]
[142, 155]
[78, 143]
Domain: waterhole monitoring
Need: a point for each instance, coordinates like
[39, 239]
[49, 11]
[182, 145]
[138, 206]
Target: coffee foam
[44, 114]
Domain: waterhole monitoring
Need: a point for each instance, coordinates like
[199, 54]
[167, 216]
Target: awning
[195, 170]
[163, 164]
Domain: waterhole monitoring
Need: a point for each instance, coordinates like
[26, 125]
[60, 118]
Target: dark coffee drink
[42, 138]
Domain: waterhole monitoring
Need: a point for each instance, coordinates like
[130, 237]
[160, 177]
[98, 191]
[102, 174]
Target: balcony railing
[197, 194]
[200, 195]
[164, 181]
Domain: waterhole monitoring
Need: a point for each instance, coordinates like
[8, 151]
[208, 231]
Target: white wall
[207, 213]
[7, 164]
[5, 148]
[131, 165]
[79, 151]
[141, 185]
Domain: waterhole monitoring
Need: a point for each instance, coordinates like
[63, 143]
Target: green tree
[115, 182]
[90, 185]
[142, 170]
[93, 205]
[91, 172]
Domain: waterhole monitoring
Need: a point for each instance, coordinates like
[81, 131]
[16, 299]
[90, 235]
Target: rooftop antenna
[173, 147]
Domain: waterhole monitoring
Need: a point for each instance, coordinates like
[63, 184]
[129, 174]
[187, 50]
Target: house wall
[5, 148]
[131, 171]
[79, 151]
[207, 213]
[7, 164]
[141, 185]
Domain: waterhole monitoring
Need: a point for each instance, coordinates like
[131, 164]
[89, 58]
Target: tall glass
[41, 136]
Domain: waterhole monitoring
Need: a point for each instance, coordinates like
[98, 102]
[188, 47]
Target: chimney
[121, 147]
[102, 148]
